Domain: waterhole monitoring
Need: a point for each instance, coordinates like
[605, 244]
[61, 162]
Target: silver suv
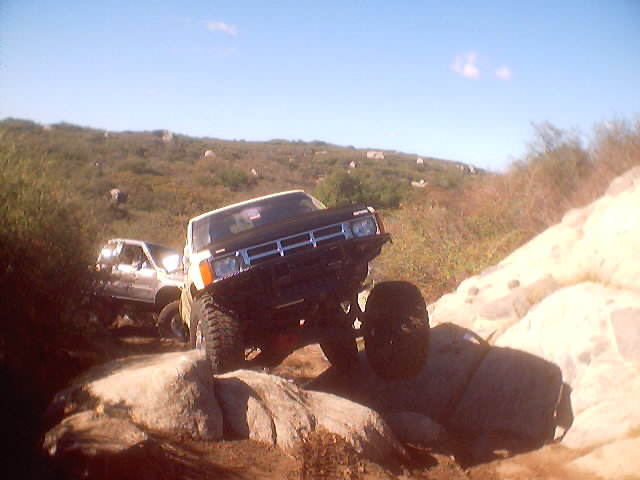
[144, 275]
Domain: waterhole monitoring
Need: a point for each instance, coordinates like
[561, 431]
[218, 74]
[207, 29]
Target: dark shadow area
[149, 331]
[31, 371]
[493, 401]
[154, 459]
[234, 413]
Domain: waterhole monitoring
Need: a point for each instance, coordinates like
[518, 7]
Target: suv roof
[139, 242]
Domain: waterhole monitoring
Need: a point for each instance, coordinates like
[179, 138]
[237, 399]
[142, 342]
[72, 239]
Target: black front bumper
[334, 270]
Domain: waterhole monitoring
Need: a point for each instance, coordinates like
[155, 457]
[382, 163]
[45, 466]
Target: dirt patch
[303, 365]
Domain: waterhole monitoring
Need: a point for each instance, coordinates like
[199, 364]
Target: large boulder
[273, 410]
[170, 393]
[112, 408]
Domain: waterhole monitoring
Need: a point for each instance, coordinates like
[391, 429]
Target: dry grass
[443, 236]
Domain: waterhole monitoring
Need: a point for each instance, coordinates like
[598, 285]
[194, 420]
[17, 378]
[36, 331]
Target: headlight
[226, 266]
[364, 227]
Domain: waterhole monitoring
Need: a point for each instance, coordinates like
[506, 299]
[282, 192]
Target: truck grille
[295, 243]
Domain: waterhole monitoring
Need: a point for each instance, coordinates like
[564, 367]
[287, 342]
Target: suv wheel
[218, 332]
[170, 323]
[342, 352]
[396, 330]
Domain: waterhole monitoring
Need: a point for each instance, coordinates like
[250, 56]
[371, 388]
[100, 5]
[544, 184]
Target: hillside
[54, 202]
[169, 177]
[520, 382]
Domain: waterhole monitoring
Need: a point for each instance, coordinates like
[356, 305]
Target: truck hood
[285, 228]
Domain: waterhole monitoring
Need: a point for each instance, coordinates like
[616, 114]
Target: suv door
[117, 284]
[124, 270]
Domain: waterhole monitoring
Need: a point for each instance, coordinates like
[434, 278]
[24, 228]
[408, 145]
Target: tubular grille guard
[291, 244]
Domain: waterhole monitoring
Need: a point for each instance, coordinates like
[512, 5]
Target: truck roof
[246, 202]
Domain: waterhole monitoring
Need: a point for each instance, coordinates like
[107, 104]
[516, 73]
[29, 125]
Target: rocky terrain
[533, 372]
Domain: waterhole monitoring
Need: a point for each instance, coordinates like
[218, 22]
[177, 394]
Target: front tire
[170, 323]
[396, 330]
[218, 332]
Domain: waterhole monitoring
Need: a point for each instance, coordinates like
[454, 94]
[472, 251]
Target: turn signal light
[206, 273]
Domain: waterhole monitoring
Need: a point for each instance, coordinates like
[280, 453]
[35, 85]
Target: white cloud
[465, 65]
[504, 73]
[222, 27]
[392, 134]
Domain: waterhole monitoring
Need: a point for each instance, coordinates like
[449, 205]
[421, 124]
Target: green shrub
[343, 188]
[139, 167]
[46, 245]
[232, 178]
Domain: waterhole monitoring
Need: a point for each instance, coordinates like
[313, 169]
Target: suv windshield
[230, 221]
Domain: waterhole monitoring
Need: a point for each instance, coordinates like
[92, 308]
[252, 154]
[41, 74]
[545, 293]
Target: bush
[342, 188]
[46, 245]
[232, 178]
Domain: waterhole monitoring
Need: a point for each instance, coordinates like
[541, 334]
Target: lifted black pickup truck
[270, 275]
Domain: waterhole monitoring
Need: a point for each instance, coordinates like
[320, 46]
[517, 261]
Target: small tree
[340, 188]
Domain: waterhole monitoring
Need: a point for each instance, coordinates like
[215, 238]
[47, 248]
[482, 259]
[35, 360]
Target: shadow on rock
[492, 401]
[97, 447]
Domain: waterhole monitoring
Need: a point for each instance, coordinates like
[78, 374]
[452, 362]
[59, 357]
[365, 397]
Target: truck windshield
[221, 224]
[160, 252]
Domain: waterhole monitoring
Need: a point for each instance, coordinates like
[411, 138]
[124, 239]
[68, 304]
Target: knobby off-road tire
[218, 332]
[170, 323]
[342, 352]
[396, 330]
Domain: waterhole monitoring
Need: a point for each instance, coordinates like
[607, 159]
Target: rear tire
[218, 332]
[342, 352]
[170, 323]
[396, 330]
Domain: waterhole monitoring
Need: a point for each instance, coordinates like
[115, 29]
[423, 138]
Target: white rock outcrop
[599, 242]
[571, 296]
[548, 339]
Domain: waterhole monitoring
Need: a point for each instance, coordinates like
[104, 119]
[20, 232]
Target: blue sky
[457, 80]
